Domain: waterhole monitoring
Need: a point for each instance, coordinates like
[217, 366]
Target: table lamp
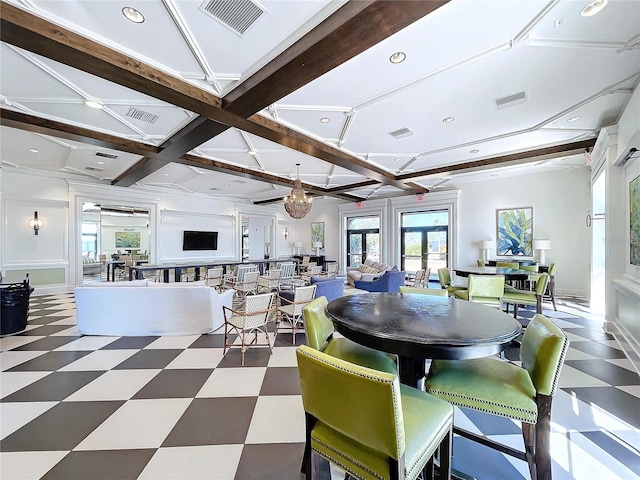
[298, 246]
[541, 246]
[487, 246]
[317, 246]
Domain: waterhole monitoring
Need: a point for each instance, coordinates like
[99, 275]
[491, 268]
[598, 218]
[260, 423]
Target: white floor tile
[233, 382]
[173, 342]
[631, 389]
[27, 465]
[14, 415]
[11, 382]
[137, 424]
[62, 313]
[575, 354]
[283, 357]
[277, 419]
[197, 358]
[621, 362]
[65, 321]
[99, 360]
[196, 463]
[87, 343]
[114, 385]
[11, 359]
[72, 331]
[571, 377]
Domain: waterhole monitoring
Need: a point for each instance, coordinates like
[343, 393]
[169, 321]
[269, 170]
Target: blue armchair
[330, 288]
[389, 282]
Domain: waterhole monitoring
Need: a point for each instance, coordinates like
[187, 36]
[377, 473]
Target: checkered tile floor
[74, 407]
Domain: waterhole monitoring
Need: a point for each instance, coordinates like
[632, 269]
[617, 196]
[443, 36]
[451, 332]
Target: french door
[363, 240]
[424, 241]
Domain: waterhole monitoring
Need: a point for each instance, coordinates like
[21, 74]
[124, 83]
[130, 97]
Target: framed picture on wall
[317, 233]
[514, 231]
[127, 239]
[634, 221]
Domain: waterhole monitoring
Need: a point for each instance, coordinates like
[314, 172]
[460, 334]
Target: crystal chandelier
[297, 204]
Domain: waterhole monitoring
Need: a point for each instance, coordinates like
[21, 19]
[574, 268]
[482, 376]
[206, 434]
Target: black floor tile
[590, 333]
[54, 387]
[271, 462]
[616, 447]
[129, 342]
[47, 343]
[254, 357]
[62, 427]
[46, 330]
[149, 359]
[598, 350]
[482, 463]
[175, 384]
[619, 403]
[605, 371]
[211, 341]
[213, 421]
[281, 381]
[50, 361]
[101, 464]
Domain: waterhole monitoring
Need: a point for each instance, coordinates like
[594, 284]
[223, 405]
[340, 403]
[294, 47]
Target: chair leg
[515, 310]
[528, 435]
[543, 438]
[445, 456]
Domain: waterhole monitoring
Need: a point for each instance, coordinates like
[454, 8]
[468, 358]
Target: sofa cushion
[124, 283]
[331, 288]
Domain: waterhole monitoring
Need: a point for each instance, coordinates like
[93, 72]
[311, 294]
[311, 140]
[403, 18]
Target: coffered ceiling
[225, 97]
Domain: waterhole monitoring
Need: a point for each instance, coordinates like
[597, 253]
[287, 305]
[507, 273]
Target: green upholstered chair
[502, 388]
[525, 297]
[480, 262]
[533, 278]
[445, 281]
[515, 265]
[319, 331]
[367, 423]
[485, 289]
[437, 292]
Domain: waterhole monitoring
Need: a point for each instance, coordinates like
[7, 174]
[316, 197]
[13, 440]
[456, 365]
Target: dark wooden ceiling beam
[519, 158]
[35, 34]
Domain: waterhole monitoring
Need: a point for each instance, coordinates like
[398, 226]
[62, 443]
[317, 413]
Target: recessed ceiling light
[398, 57]
[325, 120]
[448, 119]
[252, 152]
[574, 119]
[33, 150]
[165, 174]
[557, 22]
[493, 175]
[63, 168]
[132, 14]
[94, 104]
[396, 159]
[593, 8]
[226, 185]
[475, 150]
[100, 163]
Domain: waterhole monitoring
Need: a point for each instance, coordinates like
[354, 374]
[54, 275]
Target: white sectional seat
[143, 307]
[367, 272]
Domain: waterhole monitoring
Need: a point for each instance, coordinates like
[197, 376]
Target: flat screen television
[195, 240]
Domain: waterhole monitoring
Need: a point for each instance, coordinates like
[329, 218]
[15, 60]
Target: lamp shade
[316, 244]
[487, 244]
[297, 244]
[542, 244]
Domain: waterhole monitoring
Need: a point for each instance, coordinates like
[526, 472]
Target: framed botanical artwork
[514, 231]
[127, 239]
[317, 233]
[634, 221]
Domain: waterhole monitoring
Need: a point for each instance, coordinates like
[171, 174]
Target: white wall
[560, 202]
[323, 210]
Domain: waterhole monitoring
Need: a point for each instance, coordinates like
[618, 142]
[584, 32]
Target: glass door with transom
[424, 241]
[363, 240]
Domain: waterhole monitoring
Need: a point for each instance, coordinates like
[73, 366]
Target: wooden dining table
[422, 327]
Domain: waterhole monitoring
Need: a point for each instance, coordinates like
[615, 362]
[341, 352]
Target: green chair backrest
[541, 284]
[491, 286]
[530, 268]
[444, 277]
[480, 262]
[438, 292]
[318, 327]
[515, 265]
[552, 268]
[543, 349]
[360, 403]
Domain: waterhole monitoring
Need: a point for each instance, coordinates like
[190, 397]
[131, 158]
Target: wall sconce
[286, 233]
[36, 223]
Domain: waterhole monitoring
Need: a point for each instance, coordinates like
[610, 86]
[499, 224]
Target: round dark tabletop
[423, 326]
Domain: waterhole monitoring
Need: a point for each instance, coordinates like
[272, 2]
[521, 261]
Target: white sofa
[368, 271]
[143, 307]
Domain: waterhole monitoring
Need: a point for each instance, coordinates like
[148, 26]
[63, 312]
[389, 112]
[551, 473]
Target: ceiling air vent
[401, 133]
[94, 169]
[106, 155]
[510, 100]
[236, 15]
[141, 115]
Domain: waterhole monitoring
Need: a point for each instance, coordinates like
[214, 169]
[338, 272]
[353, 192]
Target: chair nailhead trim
[528, 417]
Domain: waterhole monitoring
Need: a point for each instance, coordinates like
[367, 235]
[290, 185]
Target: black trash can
[14, 307]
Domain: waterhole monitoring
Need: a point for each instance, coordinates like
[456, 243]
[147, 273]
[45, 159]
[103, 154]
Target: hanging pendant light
[297, 204]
